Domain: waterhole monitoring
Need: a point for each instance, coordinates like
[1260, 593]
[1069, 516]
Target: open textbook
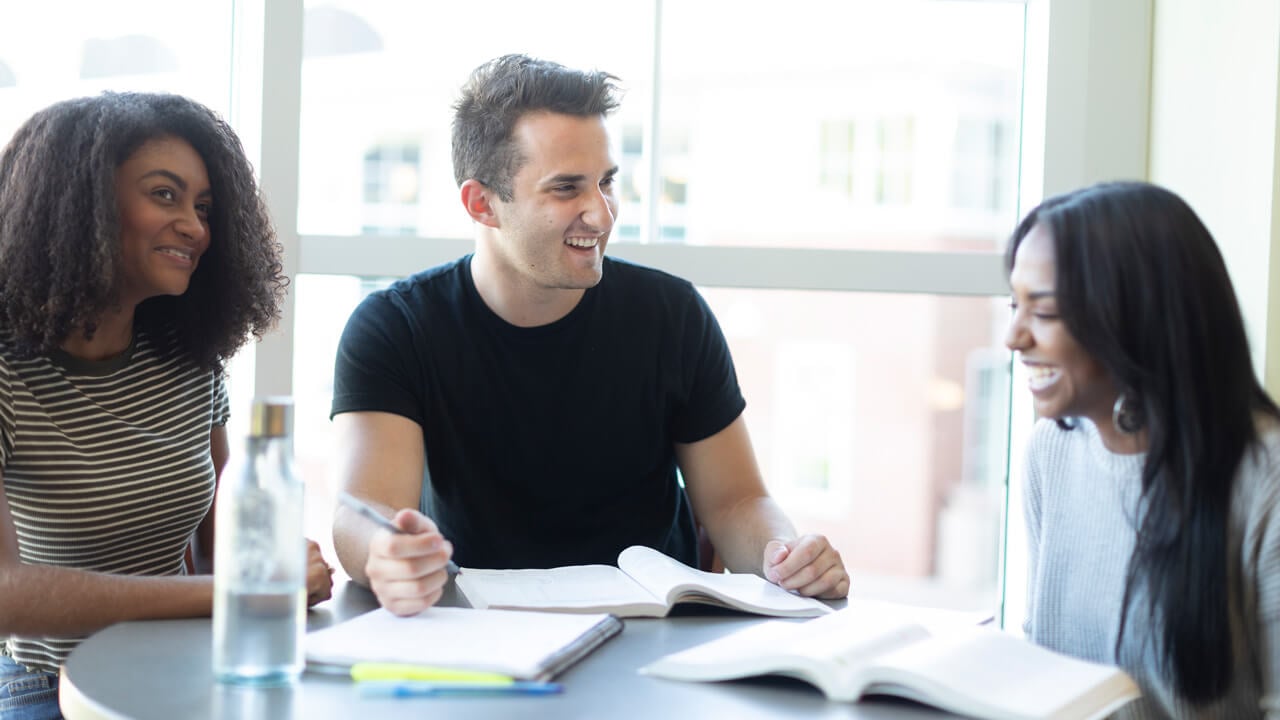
[523, 645]
[871, 649]
[646, 583]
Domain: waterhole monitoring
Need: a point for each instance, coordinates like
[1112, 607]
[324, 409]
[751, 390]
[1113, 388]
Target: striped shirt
[106, 465]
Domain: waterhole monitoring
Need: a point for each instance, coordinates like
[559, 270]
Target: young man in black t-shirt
[529, 405]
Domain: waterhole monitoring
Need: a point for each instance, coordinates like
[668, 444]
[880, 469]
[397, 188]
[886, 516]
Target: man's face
[553, 232]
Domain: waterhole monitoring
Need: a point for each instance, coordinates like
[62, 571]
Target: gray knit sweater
[1080, 508]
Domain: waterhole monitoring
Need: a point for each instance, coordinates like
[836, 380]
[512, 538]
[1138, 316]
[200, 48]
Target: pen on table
[410, 688]
[363, 508]
[379, 671]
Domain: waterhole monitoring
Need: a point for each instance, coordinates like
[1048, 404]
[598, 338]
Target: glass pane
[124, 45]
[324, 302]
[879, 124]
[881, 422]
[379, 79]
[871, 125]
[878, 420]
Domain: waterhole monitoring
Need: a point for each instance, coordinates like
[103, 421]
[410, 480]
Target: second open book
[873, 648]
[646, 583]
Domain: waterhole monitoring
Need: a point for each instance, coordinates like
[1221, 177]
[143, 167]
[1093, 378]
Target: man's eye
[564, 188]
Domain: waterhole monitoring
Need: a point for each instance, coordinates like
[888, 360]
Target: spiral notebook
[523, 645]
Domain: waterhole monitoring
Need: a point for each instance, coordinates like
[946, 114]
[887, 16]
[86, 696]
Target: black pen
[363, 508]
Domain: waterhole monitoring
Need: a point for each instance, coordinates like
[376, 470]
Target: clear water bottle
[259, 560]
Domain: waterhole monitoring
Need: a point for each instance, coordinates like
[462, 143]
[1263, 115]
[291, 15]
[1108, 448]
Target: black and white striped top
[106, 464]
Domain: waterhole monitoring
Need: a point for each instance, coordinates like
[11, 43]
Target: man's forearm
[351, 543]
[742, 533]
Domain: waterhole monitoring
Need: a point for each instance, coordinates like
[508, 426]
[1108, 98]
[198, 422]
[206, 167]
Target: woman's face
[164, 198]
[1066, 381]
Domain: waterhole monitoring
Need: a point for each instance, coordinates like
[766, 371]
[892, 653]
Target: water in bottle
[259, 606]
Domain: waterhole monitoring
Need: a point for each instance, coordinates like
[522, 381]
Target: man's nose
[601, 210]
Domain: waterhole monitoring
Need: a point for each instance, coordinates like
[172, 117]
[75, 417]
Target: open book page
[826, 652]
[870, 648]
[526, 645]
[988, 673]
[673, 582]
[576, 588]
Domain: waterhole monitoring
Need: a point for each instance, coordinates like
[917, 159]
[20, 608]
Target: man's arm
[746, 526]
[381, 461]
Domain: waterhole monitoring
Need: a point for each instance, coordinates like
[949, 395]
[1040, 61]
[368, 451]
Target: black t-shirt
[550, 445]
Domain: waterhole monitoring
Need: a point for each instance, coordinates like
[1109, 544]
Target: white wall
[1098, 86]
[1215, 69]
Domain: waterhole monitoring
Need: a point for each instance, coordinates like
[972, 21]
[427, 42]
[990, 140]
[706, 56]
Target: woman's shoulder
[1256, 501]
[1264, 454]
[1267, 426]
[1258, 476]
[15, 360]
[1049, 445]
[1048, 434]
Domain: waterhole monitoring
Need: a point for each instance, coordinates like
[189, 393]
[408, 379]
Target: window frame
[1074, 50]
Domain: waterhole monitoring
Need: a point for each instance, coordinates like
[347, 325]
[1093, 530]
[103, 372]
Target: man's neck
[513, 298]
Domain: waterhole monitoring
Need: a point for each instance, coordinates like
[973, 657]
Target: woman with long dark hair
[1153, 477]
[136, 257]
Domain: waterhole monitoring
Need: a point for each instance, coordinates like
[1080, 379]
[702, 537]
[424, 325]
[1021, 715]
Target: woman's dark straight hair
[1141, 285]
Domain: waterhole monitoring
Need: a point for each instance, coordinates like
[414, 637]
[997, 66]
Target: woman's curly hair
[60, 247]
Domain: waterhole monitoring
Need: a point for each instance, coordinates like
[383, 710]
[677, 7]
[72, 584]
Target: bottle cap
[271, 417]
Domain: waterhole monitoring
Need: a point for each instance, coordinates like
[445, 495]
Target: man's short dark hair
[503, 90]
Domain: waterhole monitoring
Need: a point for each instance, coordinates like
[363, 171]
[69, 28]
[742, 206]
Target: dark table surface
[161, 669]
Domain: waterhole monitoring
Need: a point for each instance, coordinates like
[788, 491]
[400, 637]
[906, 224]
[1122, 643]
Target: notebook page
[506, 641]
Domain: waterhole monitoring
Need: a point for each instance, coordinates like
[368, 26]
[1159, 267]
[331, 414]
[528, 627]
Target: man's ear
[477, 199]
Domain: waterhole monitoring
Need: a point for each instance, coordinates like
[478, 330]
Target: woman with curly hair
[1153, 477]
[136, 257]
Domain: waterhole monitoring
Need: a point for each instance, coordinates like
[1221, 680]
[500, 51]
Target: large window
[880, 418]
[837, 177]
[119, 46]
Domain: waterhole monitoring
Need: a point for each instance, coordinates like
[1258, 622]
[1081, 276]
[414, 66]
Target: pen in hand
[363, 508]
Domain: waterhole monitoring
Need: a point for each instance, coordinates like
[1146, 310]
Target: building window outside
[981, 179]
[391, 182]
[895, 160]
[837, 156]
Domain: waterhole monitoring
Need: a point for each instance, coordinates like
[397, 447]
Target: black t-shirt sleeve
[376, 367]
[713, 397]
